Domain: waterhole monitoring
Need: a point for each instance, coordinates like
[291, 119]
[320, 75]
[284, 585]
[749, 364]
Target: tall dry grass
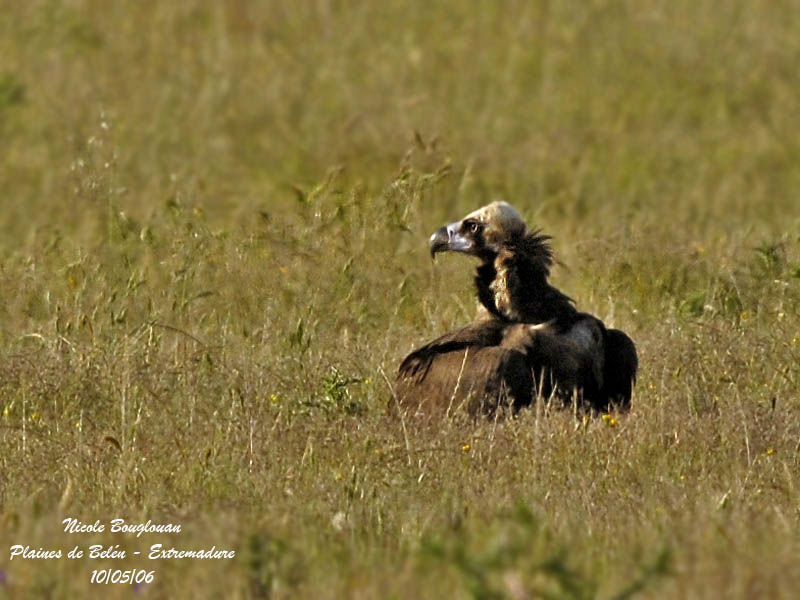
[213, 244]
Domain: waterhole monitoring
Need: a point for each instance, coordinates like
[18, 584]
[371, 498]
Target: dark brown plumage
[475, 368]
[533, 341]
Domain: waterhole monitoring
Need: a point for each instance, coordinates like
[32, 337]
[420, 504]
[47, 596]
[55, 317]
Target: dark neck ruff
[526, 262]
[483, 279]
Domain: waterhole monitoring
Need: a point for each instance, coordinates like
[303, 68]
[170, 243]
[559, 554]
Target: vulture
[531, 341]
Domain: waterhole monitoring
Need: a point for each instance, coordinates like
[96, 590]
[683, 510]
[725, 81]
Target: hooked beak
[449, 238]
[439, 241]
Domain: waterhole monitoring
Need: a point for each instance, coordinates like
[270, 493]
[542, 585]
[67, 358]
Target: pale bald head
[481, 232]
[499, 216]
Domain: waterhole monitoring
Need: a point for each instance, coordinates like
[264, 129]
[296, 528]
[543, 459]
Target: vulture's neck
[512, 283]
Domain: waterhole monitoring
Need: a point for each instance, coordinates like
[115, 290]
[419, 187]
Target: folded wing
[491, 364]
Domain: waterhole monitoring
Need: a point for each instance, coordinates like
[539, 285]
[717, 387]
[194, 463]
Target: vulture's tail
[619, 372]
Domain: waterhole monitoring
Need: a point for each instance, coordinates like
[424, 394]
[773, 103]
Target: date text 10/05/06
[130, 576]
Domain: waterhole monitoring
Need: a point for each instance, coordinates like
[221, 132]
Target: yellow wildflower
[610, 420]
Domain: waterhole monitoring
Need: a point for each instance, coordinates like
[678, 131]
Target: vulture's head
[482, 233]
[515, 263]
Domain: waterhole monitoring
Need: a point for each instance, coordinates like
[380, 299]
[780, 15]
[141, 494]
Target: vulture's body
[534, 342]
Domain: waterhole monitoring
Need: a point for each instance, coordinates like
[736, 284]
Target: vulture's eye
[472, 226]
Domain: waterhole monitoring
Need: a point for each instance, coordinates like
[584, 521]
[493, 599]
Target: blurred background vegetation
[213, 241]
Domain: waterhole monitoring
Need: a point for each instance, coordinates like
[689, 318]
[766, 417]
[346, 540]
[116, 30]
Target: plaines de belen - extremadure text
[157, 551]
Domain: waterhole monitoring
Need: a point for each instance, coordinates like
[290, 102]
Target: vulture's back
[468, 370]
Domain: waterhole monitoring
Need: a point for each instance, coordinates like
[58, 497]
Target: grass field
[213, 244]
